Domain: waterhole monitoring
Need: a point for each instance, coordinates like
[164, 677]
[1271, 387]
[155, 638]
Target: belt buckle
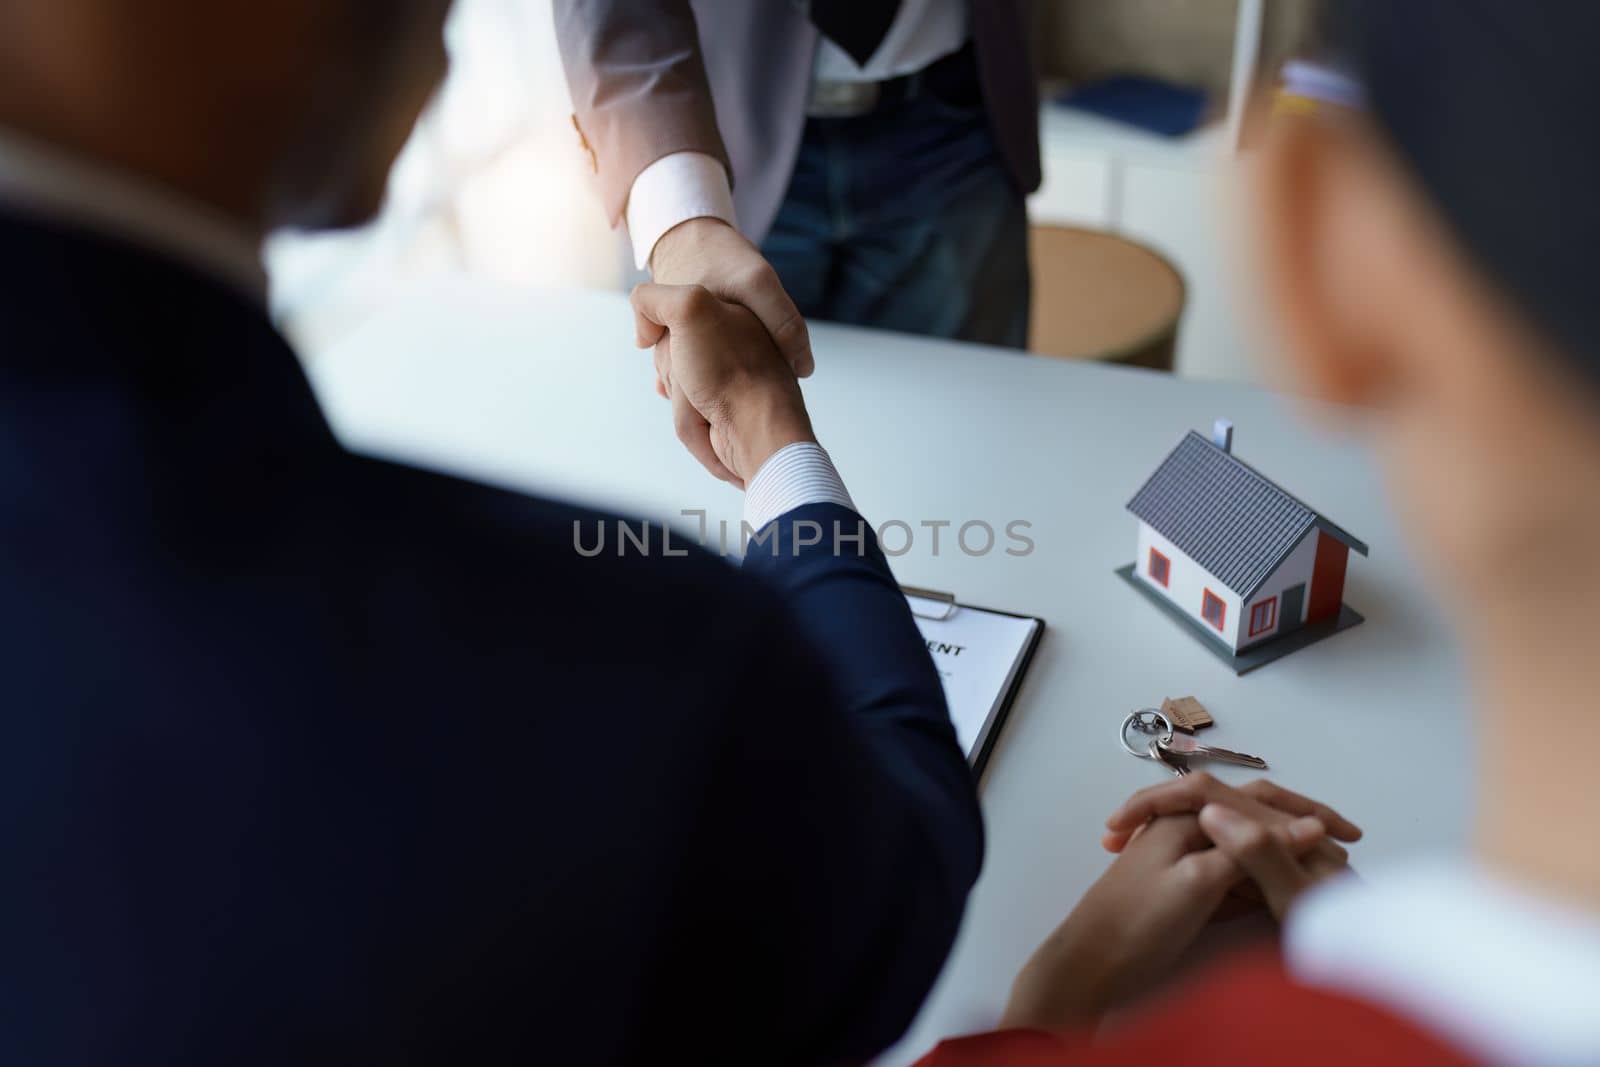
[841, 100]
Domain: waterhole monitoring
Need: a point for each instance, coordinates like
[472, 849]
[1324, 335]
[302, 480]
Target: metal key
[1185, 746]
[1176, 763]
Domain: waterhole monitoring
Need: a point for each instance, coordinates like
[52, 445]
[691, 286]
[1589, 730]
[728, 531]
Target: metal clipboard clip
[947, 599]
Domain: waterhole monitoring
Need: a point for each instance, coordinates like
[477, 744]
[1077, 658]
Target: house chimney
[1222, 435]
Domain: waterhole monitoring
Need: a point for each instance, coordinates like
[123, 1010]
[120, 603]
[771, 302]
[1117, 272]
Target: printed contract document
[981, 656]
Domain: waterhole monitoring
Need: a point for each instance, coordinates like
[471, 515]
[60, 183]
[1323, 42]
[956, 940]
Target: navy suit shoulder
[325, 759]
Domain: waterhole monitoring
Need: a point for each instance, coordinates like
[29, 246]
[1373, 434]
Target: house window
[1213, 610]
[1264, 616]
[1160, 568]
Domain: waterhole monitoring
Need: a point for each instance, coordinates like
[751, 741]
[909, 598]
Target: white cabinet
[1186, 215]
[1076, 191]
[1175, 195]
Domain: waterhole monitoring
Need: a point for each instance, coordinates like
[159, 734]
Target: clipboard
[982, 689]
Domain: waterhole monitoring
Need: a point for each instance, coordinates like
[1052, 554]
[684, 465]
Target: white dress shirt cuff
[674, 189]
[792, 477]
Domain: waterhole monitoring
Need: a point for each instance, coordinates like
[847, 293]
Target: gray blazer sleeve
[639, 88]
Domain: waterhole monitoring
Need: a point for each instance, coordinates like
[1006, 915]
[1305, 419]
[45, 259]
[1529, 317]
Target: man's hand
[710, 253]
[735, 401]
[1133, 924]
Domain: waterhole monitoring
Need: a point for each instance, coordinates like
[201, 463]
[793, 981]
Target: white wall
[492, 184]
[1187, 585]
[1295, 568]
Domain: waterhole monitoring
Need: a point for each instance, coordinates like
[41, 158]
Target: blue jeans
[906, 219]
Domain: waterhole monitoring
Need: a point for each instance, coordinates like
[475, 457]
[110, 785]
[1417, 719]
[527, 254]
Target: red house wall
[1327, 578]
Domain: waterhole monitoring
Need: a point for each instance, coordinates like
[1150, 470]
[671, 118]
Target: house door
[1294, 606]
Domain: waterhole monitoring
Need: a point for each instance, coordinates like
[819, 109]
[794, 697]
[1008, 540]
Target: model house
[1235, 555]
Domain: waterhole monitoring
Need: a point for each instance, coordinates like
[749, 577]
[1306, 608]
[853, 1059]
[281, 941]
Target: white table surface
[544, 391]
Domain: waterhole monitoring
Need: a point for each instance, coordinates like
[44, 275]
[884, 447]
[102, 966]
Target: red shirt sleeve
[1248, 1012]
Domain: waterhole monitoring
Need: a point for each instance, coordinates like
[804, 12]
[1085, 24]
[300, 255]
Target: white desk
[544, 391]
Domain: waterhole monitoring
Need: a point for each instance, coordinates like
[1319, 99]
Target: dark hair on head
[1492, 105]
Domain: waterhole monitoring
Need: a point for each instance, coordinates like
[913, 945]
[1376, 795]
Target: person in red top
[1430, 256]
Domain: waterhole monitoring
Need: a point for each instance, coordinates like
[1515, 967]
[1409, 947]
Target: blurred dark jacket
[311, 758]
[644, 75]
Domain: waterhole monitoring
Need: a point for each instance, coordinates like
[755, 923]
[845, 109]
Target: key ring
[1145, 721]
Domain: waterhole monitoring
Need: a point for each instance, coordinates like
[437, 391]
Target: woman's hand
[1261, 800]
[1183, 847]
[1263, 854]
[1134, 923]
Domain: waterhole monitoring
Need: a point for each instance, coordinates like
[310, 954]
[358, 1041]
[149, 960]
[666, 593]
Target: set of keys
[1161, 742]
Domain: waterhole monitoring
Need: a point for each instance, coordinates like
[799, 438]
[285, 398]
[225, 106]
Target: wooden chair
[1103, 297]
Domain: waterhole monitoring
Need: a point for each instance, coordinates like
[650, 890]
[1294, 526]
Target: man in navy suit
[311, 758]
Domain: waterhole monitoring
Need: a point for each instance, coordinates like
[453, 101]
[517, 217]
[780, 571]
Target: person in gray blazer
[861, 161]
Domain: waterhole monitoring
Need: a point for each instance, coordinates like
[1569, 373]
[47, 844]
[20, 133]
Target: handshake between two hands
[1189, 851]
[729, 346]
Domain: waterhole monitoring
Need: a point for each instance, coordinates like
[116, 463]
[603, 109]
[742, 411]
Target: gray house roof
[1226, 516]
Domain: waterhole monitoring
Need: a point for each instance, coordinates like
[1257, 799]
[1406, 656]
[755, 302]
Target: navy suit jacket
[316, 759]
